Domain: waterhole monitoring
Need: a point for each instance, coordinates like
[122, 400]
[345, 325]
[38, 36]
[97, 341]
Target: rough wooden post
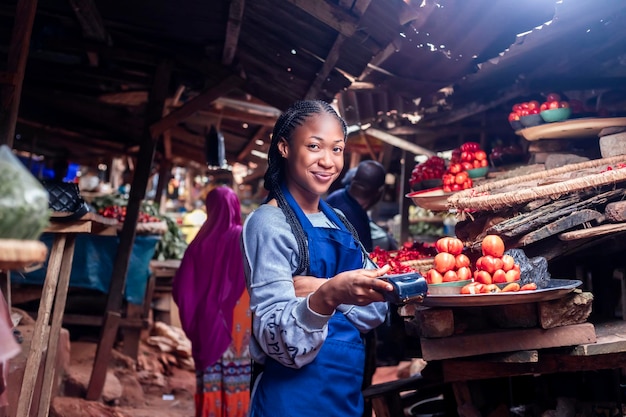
[127, 237]
[11, 91]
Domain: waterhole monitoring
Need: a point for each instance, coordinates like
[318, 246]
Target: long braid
[293, 117]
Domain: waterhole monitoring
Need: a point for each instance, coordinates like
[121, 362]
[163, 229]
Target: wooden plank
[398, 142]
[327, 67]
[41, 329]
[480, 343]
[549, 363]
[595, 231]
[197, 103]
[233, 28]
[55, 327]
[560, 225]
[610, 338]
[90, 20]
[333, 16]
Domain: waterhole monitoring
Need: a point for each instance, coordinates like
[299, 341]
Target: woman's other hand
[305, 284]
[357, 287]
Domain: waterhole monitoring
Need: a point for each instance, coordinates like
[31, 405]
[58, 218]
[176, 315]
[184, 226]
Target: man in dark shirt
[363, 188]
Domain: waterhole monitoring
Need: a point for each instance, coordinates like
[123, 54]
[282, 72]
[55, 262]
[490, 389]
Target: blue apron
[331, 384]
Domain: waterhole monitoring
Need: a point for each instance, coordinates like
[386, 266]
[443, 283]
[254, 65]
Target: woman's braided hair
[293, 117]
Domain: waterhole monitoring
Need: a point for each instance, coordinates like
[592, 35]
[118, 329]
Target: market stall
[481, 324]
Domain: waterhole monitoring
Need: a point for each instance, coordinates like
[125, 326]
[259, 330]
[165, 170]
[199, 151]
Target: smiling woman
[313, 289]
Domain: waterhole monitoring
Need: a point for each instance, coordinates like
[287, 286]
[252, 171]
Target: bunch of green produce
[24, 211]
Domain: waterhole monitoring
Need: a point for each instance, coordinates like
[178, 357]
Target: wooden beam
[335, 17]
[16, 64]
[90, 20]
[233, 28]
[398, 142]
[327, 67]
[334, 54]
[261, 132]
[238, 115]
[197, 103]
[368, 145]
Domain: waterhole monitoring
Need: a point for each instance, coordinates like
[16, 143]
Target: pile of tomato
[433, 168]
[119, 213]
[408, 252]
[450, 264]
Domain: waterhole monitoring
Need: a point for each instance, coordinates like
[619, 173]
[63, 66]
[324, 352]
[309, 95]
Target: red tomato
[553, 105]
[455, 187]
[444, 262]
[467, 165]
[544, 106]
[508, 262]
[483, 163]
[480, 155]
[462, 261]
[448, 179]
[533, 104]
[450, 276]
[450, 245]
[493, 245]
[499, 276]
[516, 107]
[433, 277]
[563, 104]
[513, 116]
[455, 168]
[512, 275]
[483, 277]
[553, 97]
[489, 263]
[464, 273]
[461, 177]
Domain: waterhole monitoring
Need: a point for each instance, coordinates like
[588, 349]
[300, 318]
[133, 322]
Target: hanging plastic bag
[24, 209]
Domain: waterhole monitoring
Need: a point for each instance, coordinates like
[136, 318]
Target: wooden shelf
[571, 129]
[18, 254]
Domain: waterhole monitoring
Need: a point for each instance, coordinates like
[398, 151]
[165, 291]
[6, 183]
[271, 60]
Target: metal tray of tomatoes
[555, 289]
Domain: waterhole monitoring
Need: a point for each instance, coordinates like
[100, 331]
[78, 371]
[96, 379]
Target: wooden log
[561, 225]
[616, 211]
[574, 308]
[524, 223]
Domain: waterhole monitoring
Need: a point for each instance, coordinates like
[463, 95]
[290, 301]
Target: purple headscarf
[210, 279]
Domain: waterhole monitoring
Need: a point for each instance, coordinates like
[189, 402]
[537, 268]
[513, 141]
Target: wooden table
[160, 287]
[607, 352]
[14, 255]
[55, 287]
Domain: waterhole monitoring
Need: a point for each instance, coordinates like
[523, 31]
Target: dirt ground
[159, 383]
